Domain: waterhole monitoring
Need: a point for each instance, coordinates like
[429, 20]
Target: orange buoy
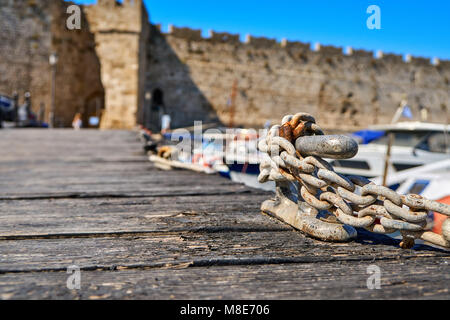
[439, 218]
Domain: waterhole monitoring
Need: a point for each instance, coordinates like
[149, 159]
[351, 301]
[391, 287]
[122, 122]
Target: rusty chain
[295, 150]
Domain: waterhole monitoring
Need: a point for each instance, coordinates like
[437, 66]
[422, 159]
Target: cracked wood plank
[63, 216]
[401, 279]
[201, 248]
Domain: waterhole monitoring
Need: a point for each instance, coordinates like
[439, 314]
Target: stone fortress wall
[25, 42]
[30, 32]
[343, 90]
[119, 58]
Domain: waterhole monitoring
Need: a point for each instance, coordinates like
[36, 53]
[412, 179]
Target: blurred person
[77, 123]
[24, 111]
[423, 113]
[41, 113]
[1, 117]
[16, 108]
[165, 123]
[157, 111]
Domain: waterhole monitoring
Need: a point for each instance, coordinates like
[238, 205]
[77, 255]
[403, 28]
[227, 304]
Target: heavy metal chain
[350, 200]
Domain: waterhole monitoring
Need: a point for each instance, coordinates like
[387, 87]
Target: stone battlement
[186, 33]
[224, 37]
[261, 42]
[295, 45]
[444, 64]
[329, 50]
[360, 53]
[110, 15]
[270, 43]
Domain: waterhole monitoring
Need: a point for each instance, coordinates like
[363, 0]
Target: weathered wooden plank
[62, 216]
[68, 208]
[125, 191]
[91, 175]
[89, 179]
[63, 135]
[28, 168]
[147, 178]
[19, 144]
[201, 248]
[34, 184]
[401, 279]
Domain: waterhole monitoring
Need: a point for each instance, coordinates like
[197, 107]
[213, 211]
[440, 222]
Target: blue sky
[421, 28]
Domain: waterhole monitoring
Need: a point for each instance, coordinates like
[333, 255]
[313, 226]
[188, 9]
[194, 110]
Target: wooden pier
[92, 199]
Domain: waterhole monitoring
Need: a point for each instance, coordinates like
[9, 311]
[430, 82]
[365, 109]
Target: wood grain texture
[91, 198]
[411, 279]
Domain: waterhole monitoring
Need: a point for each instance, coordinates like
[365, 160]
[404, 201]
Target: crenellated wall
[344, 91]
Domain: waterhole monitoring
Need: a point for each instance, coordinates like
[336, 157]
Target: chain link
[353, 200]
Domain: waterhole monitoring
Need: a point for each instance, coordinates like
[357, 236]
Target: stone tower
[121, 33]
